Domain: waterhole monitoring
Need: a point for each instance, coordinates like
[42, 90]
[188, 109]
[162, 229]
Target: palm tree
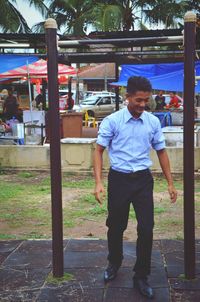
[194, 5]
[165, 12]
[125, 14]
[73, 15]
[12, 20]
[115, 14]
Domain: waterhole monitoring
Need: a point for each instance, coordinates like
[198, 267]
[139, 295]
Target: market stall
[36, 72]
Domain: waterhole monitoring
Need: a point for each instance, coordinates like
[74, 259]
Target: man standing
[10, 107]
[129, 135]
[160, 101]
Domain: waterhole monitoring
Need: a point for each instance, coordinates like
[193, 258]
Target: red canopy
[37, 69]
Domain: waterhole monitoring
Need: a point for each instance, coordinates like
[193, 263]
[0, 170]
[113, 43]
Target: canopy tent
[162, 76]
[9, 62]
[36, 69]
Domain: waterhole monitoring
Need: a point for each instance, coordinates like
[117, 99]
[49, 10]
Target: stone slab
[31, 253]
[127, 295]
[22, 279]
[3, 257]
[188, 296]
[9, 246]
[175, 263]
[84, 277]
[70, 294]
[182, 284]
[157, 279]
[86, 245]
[168, 245]
[19, 296]
[84, 259]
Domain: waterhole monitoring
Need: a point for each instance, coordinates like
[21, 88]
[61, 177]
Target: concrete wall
[75, 157]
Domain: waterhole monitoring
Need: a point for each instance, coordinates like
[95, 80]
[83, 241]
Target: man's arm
[165, 165]
[98, 164]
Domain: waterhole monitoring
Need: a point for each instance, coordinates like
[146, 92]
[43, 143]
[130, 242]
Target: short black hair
[138, 84]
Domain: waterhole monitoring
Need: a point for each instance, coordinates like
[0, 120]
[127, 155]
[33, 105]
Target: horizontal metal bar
[122, 40]
[14, 45]
[122, 53]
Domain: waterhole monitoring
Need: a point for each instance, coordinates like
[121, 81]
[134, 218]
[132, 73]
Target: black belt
[130, 174]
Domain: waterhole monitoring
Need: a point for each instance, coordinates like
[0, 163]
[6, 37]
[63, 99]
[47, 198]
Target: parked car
[99, 106]
[90, 93]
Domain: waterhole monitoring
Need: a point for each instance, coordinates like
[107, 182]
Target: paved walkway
[25, 266]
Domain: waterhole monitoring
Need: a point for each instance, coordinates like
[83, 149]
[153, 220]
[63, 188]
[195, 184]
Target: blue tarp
[162, 76]
[9, 62]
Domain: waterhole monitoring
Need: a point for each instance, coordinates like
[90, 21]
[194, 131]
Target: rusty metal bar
[55, 154]
[189, 86]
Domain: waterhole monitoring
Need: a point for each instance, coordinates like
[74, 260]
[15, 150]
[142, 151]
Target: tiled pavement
[25, 266]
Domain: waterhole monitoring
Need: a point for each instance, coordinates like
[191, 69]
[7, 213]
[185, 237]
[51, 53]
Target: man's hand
[98, 191]
[172, 193]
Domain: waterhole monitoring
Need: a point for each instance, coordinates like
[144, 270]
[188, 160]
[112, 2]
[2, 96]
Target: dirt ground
[167, 225]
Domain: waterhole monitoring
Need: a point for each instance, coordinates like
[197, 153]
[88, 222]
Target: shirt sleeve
[106, 132]
[158, 141]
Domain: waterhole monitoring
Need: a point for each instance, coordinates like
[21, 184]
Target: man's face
[137, 102]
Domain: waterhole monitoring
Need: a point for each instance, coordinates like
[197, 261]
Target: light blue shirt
[129, 140]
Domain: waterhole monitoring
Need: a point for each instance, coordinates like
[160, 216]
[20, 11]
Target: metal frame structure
[187, 53]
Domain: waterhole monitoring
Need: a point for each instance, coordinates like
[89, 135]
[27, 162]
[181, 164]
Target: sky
[31, 15]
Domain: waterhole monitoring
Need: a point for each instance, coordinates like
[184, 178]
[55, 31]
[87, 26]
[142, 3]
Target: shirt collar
[129, 116]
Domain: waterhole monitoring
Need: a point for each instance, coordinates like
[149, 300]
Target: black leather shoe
[111, 272]
[144, 288]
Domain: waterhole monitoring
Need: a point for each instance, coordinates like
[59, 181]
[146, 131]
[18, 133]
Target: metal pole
[117, 87]
[105, 77]
[29, 91]
[55, 155]
[189, 85]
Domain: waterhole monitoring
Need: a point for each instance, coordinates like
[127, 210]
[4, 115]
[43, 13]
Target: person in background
[70, 101]
[129, 134]
[4, 127]
[10, 106]
[39, 101]
[174, 101]
[160, 101]
[151, 105]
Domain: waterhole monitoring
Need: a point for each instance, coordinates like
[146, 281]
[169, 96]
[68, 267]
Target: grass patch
[46, 181]
[25, 208]
[69, 223]
[25, 174]
[131, 213]
[159, 210]
[58, 280]
[167, 222]
[7, 236]
[8, 191]
[160, 185]
[87, 183]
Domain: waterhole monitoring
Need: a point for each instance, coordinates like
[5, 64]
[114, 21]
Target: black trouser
[123, 189]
